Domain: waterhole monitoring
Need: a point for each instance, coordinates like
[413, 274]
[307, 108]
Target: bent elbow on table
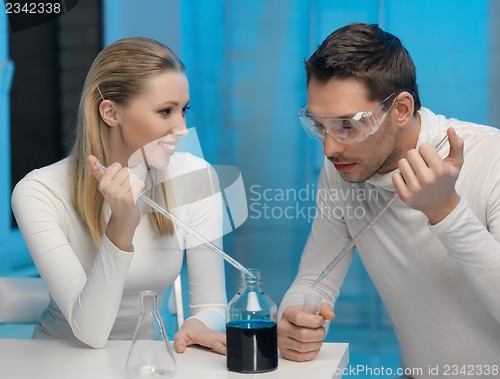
[90, 337]
[94, 342]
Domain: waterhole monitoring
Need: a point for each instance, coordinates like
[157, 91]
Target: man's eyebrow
[350, 115]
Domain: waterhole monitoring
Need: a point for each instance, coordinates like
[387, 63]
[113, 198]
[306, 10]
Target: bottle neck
[149, 301]
[251, 283]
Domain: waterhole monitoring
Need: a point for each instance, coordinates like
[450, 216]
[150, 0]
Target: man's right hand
[300, 334]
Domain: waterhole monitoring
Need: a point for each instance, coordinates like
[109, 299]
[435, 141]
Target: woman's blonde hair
[118, 74]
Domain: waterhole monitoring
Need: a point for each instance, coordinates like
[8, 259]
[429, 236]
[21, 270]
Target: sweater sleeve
[476, 248]
[327, 237]
[88, 300]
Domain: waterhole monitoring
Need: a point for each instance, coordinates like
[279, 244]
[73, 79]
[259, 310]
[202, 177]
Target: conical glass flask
[150, 355]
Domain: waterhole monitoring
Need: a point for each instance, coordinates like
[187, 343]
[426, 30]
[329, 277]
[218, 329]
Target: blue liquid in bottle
[251, 332]
[252, 346]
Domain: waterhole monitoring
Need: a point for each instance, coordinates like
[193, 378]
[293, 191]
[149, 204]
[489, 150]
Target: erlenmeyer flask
[150, 355]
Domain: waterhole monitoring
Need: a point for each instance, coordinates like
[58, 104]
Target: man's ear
[108, 111]
[405, 105]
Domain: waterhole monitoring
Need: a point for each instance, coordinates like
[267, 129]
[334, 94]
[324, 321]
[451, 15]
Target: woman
[94, 245]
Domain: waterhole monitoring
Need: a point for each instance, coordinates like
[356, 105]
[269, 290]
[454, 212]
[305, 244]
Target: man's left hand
[427, 183]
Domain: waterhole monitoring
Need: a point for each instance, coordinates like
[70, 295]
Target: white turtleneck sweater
[94, 290]
[440, 283]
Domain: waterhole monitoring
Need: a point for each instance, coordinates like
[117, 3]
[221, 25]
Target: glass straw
[350, 245]
[191, 231]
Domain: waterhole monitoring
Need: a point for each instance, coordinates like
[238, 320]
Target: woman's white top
[95, 289]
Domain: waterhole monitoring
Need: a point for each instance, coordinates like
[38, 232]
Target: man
[434, 256]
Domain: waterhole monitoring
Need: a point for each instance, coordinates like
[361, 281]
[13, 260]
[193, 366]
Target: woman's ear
[405, 107]
[108, 111]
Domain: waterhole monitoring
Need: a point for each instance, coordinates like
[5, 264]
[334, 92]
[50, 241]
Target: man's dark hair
[367, 53]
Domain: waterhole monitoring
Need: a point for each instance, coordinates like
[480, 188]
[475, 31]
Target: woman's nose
[180, 128]
[181, 132]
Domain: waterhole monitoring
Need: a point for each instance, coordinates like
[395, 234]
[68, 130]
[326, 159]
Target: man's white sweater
[440, 283]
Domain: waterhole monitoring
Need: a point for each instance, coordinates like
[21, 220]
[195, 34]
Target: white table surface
[65, 359]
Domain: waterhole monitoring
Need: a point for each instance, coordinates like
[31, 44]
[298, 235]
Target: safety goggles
[347, 130]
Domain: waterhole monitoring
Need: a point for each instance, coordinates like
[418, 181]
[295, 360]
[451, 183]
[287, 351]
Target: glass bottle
[252, 342]
[150, 355]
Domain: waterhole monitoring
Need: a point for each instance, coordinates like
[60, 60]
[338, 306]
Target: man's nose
[332, 147]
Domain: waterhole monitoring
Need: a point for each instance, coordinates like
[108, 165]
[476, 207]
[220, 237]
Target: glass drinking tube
[233, 262]
[350, 245]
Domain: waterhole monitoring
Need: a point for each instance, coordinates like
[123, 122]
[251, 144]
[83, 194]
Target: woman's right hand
[121, 189]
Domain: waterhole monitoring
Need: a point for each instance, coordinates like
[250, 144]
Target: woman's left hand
[195, 332]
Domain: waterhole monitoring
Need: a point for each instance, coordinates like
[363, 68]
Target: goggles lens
[346, 130]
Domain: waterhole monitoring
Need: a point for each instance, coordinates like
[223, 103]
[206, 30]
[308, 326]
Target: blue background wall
[244, 61]
[14, 259]
[245, 67]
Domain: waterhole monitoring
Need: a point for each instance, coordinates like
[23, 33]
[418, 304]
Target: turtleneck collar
[430, 132]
